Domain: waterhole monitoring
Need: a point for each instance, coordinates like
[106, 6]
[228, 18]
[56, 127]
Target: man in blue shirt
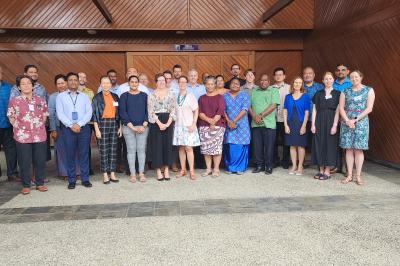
[342, 81]
[197, 89]
[6, 131]
[311, 88]
[74, 110]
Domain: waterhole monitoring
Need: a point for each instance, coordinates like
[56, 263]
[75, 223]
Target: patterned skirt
[211, 140]
[182, 137]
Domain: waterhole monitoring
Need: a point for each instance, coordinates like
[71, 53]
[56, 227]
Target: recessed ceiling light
[265, 32]
[2, 31]
[180, 32]
[92, 32]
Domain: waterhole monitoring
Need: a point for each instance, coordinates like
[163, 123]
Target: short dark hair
[338, 65]
[219, 76]
[235, 65]
[133, 77]
[59, 76]
[279, 69]
[20, 77]
[183, 77]
[71, 74]
[167, 72]
[27, 67]
[158, 75]
[176, 66]
[234, 78]
[111, 71]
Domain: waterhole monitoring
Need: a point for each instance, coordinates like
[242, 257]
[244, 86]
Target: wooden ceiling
[155, 14]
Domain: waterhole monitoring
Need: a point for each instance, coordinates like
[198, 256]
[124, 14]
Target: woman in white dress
[186, 135]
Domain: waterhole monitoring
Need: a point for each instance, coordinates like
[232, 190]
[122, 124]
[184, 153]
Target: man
[144, 81]
[235, 71]
[177, 73]
[38, 89]
[311, 88]
[112, 74]
[6, 131]
[283, 88]
[89, 93]
[125, 86]
[74, 110]
[197, 89]
[263, 103]
[342, 81]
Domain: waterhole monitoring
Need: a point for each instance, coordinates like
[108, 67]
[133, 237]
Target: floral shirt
[30, 118]
[165, 104]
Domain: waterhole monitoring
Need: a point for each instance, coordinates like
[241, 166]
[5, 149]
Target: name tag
[75, 116]
[115, 104]
[31, 107]
[328, 97]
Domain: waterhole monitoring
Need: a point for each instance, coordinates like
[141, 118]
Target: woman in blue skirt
[296, 110]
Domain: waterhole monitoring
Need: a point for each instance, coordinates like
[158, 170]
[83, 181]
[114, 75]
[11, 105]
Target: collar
[69, 91]
[346, 80]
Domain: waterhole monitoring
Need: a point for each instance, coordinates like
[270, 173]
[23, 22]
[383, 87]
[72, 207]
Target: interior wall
[368, 41]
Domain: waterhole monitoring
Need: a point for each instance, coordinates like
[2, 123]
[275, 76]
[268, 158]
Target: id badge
[328, 97]
[75, 116]
[31, 107]
[115, 104]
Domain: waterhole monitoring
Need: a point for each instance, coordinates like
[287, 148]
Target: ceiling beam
[273, 10]
[103, 9]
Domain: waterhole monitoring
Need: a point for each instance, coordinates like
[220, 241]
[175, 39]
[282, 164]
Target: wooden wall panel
[154, 14]
[291, 61]
[373, 46]
[147, 64]
[168, 61]
[210, 64]
[51, 64]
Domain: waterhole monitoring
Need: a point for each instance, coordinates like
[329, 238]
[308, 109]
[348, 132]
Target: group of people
[182, 121]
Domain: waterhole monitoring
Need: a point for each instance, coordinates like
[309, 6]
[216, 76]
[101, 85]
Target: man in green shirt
[264, 101]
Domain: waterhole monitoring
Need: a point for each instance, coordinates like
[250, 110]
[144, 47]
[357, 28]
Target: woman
[355, 104]
[324, 127]
[162, 112]
[249, 86]
[221, 85]
[211, 126]
[186, 135]
[106, 127]
[59, 143]
[134, 117]
[237, 134]
[295, 117]
[28, 115]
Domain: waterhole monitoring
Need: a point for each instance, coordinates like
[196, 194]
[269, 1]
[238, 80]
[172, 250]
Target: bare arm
[370, 105]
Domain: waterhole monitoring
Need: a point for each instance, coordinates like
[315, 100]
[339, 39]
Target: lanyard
[76, 99]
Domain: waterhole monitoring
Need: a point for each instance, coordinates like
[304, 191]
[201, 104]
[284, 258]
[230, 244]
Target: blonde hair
[302, 90]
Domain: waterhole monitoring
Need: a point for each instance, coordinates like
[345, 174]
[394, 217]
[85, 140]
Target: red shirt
[30, 118]
[212, 106]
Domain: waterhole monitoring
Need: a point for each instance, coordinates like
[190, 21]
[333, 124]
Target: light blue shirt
[198, 90]
[341, 87]
[53, 120]
[65, 106]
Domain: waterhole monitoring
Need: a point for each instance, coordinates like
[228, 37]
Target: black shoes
[87, 184]
[91, 172]
[268, 171]
[71, 185]
[257, 170]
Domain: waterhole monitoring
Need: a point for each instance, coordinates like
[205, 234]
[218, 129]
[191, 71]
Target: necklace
[180, 100]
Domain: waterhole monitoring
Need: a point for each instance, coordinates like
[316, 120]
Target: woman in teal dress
[355, 104]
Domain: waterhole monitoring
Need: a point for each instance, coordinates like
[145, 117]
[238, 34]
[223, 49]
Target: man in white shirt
[194, 87]
[125, 86]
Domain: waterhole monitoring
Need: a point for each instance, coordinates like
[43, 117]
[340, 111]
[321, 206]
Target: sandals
[182, 173]
[347, 180]
[206, 173]
[192, 175]
[133, 179]
[359, 181]
[142, 178]
[324, 177]
[215, 174]
[318, 175]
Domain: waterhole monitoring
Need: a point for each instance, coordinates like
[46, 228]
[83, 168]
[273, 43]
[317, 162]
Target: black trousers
[280, 134]
[10, 150]
[339, 157]
[263, 146]
[122, 154]
[32, 154]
